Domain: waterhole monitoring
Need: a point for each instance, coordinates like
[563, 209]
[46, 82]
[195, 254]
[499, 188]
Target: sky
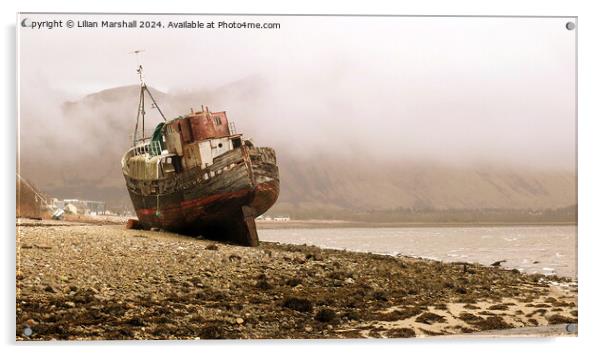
[459, 90]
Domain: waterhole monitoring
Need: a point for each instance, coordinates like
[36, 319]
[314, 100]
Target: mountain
[328, 184]
[78, 155]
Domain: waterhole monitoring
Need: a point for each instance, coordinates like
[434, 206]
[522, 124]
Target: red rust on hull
[189, 204]
[228, 216]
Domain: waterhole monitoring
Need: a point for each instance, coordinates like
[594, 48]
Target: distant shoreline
[306, 224]
[296, 224]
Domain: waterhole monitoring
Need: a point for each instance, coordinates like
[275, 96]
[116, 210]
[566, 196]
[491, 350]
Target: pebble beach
[78, 281]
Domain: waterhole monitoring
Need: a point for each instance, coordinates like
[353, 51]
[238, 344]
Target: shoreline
[308, 224]
[292, 224]
[105, 282]
[418, 258]
[305, 224]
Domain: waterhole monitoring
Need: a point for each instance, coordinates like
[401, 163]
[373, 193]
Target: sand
[80, 281]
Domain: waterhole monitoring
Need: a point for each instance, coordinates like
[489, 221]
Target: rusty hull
[218, 202]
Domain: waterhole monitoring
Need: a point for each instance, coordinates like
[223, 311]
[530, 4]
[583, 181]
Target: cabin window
[219, 145]
[217, 120]
[236, 143]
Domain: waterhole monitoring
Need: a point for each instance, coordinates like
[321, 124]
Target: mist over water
[453, 91]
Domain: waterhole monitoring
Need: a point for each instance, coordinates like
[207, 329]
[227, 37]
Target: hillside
[100, 127]
[366, 184]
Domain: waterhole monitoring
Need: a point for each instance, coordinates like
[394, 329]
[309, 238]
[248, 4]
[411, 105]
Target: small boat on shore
[196, 175]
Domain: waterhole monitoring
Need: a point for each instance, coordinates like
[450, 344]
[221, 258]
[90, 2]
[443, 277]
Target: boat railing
[141, 149]
[152, 148]
[155, 148]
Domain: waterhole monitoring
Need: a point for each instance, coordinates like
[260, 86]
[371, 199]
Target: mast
[141, 104]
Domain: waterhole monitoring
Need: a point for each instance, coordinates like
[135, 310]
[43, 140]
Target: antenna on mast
[139, 69]
[143, 89]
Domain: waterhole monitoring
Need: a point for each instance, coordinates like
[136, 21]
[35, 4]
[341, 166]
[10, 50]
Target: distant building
[70, 209]
[280, 218]
[87, 207]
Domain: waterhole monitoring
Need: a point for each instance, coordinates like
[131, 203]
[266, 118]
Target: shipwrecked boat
[196, 175]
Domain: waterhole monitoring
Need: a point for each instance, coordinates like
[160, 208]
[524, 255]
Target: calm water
[531, 249]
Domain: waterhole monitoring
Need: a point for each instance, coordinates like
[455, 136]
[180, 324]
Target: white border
[590, 177]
